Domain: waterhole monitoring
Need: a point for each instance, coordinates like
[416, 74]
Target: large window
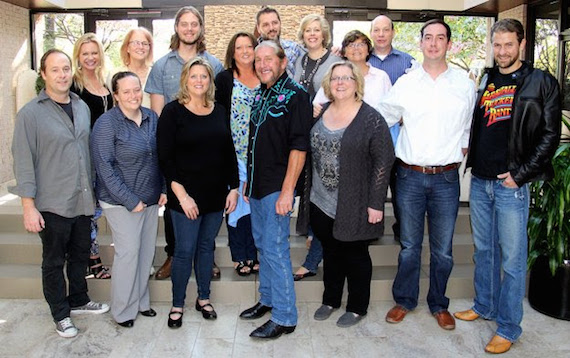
[56, 30]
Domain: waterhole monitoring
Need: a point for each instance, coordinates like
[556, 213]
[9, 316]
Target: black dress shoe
[271, 329]
[299, 277]
[205, 313]
[149, 313]
[255, 312]
[175, 323]
[127, 324]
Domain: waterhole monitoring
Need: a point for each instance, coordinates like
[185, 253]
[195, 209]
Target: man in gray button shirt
[53, 174]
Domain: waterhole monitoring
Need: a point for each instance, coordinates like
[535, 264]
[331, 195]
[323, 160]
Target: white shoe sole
[67, 334]
[103, 310]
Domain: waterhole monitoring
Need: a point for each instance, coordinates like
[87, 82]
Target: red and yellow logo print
[497, 103]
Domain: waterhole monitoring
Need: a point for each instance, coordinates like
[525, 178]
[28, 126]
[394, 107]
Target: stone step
[20, 248]
[24, 281]
[11, 221]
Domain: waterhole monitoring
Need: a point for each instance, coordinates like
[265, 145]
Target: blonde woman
[89, 84]
[314, 33]
[197, 157]
[136, 55]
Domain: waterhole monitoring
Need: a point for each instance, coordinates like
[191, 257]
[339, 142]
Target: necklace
[307, 80]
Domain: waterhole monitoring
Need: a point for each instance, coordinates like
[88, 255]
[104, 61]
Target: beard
[190, 43]
[511, 61]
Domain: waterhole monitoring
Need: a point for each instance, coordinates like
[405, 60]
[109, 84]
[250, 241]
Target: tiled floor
[26, 330]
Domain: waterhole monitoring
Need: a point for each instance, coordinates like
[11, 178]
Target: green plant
[549, 221]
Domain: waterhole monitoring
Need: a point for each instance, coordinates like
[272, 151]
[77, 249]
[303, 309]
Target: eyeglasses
[357, 45]
[139, 43]
[342, 78]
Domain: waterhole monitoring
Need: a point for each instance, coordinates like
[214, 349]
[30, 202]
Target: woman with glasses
[356, 48]
[351, 158]
[136, 54]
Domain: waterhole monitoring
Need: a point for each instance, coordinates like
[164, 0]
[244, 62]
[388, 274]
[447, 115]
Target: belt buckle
[428, 170]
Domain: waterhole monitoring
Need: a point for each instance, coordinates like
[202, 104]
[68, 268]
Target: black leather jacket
[534, 127]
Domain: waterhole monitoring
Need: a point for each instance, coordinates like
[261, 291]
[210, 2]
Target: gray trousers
[134, 236]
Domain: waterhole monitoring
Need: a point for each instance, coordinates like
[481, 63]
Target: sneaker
[65, 328]
[91, 307]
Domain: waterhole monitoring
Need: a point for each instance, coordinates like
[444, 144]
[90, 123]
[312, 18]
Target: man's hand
[33, 220]
[508, 180]
[162, 200]
[317, 108]
[375, 216]
[284, 204]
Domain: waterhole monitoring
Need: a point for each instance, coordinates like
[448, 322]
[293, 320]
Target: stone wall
[222, 22]
[14, 58]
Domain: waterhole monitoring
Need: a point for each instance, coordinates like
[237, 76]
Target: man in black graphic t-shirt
[515, 132]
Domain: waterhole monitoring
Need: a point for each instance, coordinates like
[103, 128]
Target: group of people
[333, 126]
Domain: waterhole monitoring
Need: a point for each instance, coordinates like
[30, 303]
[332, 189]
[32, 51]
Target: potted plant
[549, 236]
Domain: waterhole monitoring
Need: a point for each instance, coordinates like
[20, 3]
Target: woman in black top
[197, 157]
[89, 84]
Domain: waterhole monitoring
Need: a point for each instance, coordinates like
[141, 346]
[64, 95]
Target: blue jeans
[194, 245]
[438, 195]
[271, 235]
[499, 217]
[315, 254]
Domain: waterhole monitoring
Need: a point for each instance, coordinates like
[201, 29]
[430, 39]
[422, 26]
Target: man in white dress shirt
[435, 105]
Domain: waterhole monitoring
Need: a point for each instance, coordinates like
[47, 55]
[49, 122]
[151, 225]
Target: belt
[430, 169]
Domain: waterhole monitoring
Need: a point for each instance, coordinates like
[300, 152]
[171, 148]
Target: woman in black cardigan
[351, 155]
[235, 90]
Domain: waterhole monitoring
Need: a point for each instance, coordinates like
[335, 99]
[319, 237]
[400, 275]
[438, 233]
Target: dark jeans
[241, 242]
[65, 241]
[194, 247]
[168, 233]
[343, 260]
[438, 196]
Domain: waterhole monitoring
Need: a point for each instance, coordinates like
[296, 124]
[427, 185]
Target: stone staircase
[20, 261]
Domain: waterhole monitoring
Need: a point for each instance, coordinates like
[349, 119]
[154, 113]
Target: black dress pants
[342, 260]
[65, 242]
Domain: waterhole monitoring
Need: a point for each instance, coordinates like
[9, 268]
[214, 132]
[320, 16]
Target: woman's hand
[162, 200]
[317, 108]
[231, 201]
[189, 207]
[140, 207]
[375, 216]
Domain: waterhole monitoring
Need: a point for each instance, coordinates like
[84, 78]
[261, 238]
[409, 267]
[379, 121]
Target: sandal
[242, 268]
[216, 273]
[97, 270]
[252, 265]
[175, 323]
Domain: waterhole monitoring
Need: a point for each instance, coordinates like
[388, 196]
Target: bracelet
[185, 198]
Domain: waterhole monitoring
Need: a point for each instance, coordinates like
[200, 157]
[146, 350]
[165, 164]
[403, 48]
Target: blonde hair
[78, 75]
[358, 78]
[125, 57]
[325, 28]
[183, 94]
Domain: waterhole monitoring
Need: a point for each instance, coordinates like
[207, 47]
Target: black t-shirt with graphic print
[490, 147]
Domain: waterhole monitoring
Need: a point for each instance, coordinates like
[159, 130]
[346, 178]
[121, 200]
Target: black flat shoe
[255, 312]
[127, 324]
[299, 277]
[175, 323]
[271, 329]
[149, 313]
[205, 313]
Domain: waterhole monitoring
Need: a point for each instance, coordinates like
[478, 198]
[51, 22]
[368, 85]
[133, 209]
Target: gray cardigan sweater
[366, 158]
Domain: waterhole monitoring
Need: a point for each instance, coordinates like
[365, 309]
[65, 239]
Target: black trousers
[343, 260]
[65, 241]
